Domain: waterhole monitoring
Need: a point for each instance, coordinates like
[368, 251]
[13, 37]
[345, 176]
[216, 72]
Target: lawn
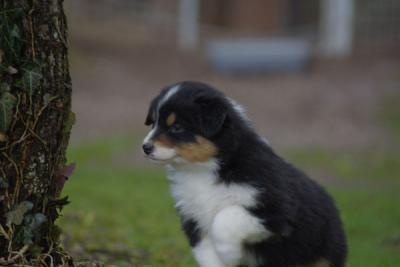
[124, 214]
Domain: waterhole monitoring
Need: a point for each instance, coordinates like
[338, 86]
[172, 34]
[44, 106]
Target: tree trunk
[35, 122]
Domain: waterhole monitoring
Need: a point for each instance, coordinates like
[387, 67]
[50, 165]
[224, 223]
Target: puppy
[240, 203]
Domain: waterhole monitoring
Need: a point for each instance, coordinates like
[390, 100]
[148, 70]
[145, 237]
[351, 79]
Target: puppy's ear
[212, 114]
[151, 114]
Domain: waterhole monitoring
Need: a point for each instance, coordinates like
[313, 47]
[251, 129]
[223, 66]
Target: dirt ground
[333, 103]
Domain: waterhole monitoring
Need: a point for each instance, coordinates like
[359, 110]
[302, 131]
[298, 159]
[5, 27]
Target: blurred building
[337, 27]
[261, 16]
[123, 50]
[340, 27]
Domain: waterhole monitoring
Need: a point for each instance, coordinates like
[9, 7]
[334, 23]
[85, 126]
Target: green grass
[113, 206]
[130, 207]
[375, 164]
[390, 113]
[372, 223]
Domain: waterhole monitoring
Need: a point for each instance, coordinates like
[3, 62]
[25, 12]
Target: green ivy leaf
[30, 228]
[25, 235]
[16, 215]
[39, 219]
[31, 77]
[7, 103]
[3, 182]
[58, 203]
[15, 32]
[10, 38]
[4, 87]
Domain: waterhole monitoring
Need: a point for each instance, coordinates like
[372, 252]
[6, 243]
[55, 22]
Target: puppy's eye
[176, 128]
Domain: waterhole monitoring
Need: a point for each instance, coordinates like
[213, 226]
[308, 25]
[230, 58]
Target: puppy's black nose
[147, 148]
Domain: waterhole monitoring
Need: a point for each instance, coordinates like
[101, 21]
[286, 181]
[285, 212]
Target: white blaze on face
[160, 152]
[150, 135]
[167, 96]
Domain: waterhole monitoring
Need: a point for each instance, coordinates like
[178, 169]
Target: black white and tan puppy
[240, 203]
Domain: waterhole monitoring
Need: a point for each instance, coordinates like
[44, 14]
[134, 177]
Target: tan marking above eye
[199, 151]
[171, 119]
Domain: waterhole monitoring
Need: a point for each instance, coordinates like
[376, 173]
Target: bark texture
[35, 122]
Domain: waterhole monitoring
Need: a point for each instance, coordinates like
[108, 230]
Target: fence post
[188, 24]
[336, 27]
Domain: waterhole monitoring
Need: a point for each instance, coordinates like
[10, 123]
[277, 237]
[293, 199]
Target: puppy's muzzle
[148, 148]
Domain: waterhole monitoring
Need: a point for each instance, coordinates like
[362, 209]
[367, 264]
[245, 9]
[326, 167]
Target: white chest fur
[200, 197]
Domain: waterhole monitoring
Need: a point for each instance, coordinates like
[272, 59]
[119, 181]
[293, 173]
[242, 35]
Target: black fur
[191, 230]
[296, 209]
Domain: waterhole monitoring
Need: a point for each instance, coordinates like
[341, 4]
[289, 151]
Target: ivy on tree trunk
[35, 123]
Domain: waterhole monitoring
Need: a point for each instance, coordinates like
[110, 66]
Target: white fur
[163, 153]
[205, 254]
[199, 196]
[265, 140]
[218, 209]
[231, 227]
[239, 109]
[150, 135]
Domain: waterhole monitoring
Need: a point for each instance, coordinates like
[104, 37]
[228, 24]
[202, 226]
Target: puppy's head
[185, 120]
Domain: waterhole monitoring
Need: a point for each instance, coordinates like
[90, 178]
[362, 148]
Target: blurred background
[320, 79]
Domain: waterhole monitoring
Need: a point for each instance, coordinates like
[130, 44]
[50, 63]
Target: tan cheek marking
[171, 119]
[200, 151]
[320, 263]
[163, 141]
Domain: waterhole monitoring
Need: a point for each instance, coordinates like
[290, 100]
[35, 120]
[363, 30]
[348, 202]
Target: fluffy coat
[240, 203]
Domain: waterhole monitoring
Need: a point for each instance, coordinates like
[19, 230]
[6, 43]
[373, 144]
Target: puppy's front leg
[232, 227]
[205, 254]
